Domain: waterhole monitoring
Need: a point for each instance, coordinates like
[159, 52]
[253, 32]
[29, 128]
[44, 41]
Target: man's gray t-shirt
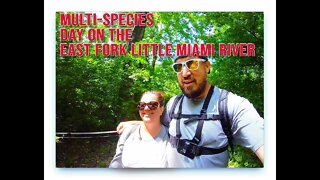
[246, 124]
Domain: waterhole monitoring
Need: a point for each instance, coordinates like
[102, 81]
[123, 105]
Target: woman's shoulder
[130, 129]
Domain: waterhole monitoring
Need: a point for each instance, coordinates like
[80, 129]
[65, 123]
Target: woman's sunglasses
[153, 105]
[192, 64]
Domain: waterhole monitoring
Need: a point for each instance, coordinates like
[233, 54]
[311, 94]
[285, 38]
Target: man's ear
[208, 66]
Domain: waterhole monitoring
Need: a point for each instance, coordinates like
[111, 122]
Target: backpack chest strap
[203, 114]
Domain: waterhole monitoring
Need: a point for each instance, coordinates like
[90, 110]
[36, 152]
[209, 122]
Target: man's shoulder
[230, 94]
[173, 98]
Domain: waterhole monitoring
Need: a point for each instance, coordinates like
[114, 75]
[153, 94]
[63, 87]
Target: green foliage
[244, 158]
[241, 75]
[94, 93]
[94, 153]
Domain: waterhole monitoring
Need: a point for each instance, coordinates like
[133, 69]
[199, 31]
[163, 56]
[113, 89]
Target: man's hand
[123, 125]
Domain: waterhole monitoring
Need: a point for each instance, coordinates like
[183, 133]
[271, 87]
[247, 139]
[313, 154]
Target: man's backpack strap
[174, 104]
[225, 121]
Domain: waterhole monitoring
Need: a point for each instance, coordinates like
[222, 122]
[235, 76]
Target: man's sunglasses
[192, 64]
[153, 105]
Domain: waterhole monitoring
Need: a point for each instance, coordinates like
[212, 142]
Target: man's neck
[204, 94]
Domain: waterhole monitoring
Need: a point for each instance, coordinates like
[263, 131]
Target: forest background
[95, 93]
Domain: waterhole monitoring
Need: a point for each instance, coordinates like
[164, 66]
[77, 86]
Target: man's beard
[194, 94]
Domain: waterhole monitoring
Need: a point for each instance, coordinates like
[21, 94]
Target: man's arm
[260, 153]
[247, 124]
[123, 125]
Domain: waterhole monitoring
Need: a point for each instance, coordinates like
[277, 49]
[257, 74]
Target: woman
[144, 145]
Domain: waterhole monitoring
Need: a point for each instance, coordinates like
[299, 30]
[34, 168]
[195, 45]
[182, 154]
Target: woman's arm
[117, 159]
